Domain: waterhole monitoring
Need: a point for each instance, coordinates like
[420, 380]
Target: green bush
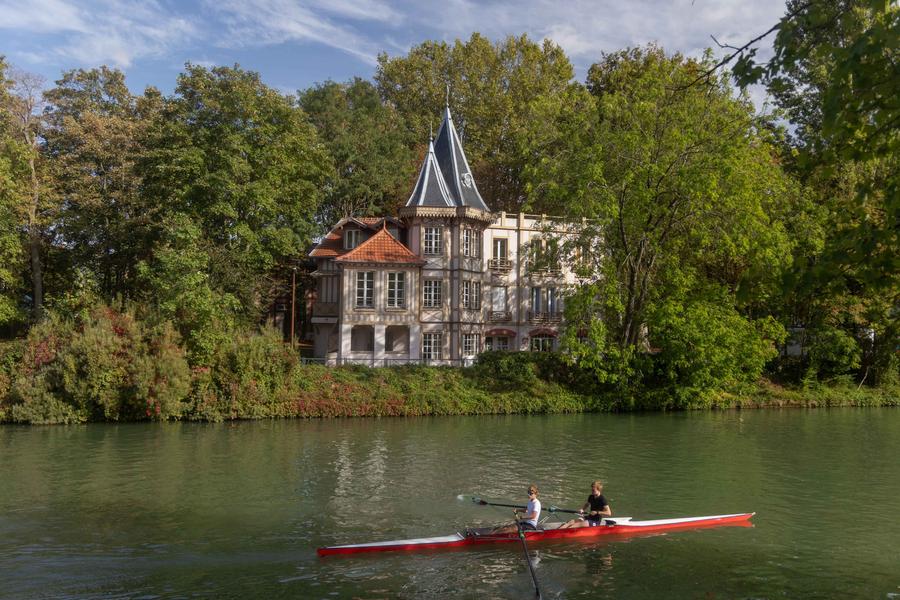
[104, 366]
[831, 352]
[706, 347]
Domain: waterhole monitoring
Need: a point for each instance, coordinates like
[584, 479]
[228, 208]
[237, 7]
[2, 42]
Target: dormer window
[351, 239]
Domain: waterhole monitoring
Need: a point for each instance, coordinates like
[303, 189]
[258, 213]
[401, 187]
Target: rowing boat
[619, 526]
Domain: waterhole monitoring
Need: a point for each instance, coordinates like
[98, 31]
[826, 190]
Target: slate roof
[447, 158]
[430, 190]
[381, 248]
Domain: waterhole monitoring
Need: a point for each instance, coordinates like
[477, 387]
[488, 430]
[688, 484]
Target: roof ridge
[381, 235]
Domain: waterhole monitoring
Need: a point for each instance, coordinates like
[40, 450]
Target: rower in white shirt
[531, 514]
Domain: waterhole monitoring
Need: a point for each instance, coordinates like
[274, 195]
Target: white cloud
[104, 31]
[256, 22]
[586, 28]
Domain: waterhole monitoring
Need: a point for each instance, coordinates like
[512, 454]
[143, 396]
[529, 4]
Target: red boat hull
[624, 527]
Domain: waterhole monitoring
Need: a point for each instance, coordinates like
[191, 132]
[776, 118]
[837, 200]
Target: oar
[534, 579]
[550, 508]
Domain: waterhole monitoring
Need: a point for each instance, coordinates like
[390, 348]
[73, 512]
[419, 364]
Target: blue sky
[295, 44]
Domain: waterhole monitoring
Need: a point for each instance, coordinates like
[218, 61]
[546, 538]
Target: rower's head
[532, 491]
[597, 487]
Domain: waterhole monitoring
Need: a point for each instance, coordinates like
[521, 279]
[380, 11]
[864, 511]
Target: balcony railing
[544, 317]
[543, 269]
[500, 316]
[499, 264]
[325, 309]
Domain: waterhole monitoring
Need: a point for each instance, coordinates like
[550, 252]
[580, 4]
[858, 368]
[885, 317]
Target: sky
[297, 43]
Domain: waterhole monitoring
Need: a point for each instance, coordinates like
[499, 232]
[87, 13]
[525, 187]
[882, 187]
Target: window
[365, 289]
[471, 295]
[470, 344]
[396, 290]
[431, 293]
[542, 343]
[433, 245]
[396, 338]
[500, 248]
[431, 346]
[496, 343]
[498, 298]
[362, 338]
[471, 242]
[351, 238]
[536, 299]
[552, 301]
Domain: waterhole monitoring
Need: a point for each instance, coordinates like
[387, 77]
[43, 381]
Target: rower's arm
[606, 512]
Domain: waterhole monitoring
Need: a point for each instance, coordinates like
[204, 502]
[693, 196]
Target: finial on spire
[447, 98]
[430, 130]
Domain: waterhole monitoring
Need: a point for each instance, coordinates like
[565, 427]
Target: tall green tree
[681, 201]
[22, 112]
[371, 147]
[501, 96]
[243, 163]
[12, 156]
[92, 135]
[836, 76]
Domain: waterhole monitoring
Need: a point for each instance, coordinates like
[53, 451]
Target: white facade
[471, 280]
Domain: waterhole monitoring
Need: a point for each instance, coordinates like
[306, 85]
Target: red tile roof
[381, 248]
[333, 244]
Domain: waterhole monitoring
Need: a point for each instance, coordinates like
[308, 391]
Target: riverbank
[263, 381]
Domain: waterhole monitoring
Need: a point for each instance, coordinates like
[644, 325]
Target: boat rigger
[619, 526]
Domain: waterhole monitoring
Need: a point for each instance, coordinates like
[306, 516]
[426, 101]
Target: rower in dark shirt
[596, 508]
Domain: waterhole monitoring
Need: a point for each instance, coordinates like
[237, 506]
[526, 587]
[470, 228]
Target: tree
[23, 110]
[681, 202]
[835, 74]
[92, 134]
[182, 293]
[242, 162]
[370, 145]
[501, 96]
[12, 160]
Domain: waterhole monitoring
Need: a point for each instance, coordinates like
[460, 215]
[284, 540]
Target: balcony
[545, 270]
[499, 264]
[325, 309]
[499, 316]
[544, 317]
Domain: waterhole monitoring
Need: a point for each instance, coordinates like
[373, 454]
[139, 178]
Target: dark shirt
[598, 503]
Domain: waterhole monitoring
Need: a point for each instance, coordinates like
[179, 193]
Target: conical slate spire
[430, 188]
[454, 167]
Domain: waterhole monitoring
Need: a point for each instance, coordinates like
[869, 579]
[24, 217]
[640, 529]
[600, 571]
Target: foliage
[503, 97]
[92, 135]
[831, 352]
[243, 163]
[178, 283]
[107, 366]
[370, 145]
[705, 346]
[684, 201]
[12, 175]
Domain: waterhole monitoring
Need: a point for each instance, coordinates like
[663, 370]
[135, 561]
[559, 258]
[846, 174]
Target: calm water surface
[236, 511]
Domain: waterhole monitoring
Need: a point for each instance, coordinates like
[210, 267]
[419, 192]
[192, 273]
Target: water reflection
[183, 510]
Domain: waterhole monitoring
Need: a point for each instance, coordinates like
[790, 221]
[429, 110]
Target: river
[183, 510]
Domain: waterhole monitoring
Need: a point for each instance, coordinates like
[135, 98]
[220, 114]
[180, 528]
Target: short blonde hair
[597, 484]
[532, 489]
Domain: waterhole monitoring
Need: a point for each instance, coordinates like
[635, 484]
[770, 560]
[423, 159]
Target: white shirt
[534, 506]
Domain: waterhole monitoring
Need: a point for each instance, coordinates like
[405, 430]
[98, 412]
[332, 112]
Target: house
[444, 280]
